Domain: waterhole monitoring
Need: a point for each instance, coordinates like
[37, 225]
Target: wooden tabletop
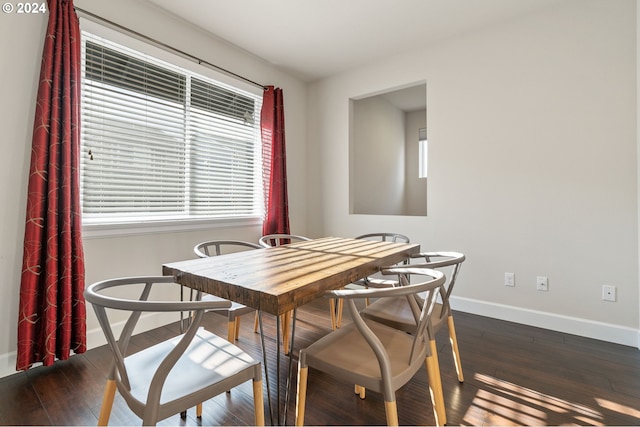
[279, 279]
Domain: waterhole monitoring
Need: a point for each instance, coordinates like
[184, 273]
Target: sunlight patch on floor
[506, 403]
[617, 407]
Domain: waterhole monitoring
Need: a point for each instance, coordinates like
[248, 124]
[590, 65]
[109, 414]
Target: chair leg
[232, 336]
[237, 334]
[255, 323]
[258, 403]
[231, 331]
[339, 311]
[301, 396]
[391, 409]
[435, 385]
[286, 328]
[107, 402]
[454, 346]
[289, 323]
[332, 313]
[199, 410]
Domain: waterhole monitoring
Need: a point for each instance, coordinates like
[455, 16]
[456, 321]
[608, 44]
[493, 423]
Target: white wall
[638, 117]
[22, 39]
[532, 169]
[379, 157]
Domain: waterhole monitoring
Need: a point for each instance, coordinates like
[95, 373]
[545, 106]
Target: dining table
[280, 279]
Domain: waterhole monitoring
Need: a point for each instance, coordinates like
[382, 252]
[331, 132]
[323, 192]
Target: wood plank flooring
[514, 375]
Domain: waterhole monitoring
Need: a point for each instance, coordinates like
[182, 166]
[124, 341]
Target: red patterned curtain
[275, 162]
[52, 311]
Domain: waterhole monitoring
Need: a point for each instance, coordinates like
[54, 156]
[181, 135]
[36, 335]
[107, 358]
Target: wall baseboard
[571, 325]
[95, 338]
[555, 322]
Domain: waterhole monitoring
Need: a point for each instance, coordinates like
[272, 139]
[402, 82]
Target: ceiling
[312, 39]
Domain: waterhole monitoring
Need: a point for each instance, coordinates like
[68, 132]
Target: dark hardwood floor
[514, 375]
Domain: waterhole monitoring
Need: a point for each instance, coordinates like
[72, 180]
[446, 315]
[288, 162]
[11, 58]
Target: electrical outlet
[542, 283]
[509, 279]
[609, 293]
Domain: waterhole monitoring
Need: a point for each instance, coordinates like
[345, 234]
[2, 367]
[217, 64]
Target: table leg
[289, 373]
[278, 420]
[183, 414]
[266, 370]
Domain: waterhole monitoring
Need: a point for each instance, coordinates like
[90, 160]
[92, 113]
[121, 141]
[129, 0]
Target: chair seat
[396, 313]
[345, 354]
[209, 363]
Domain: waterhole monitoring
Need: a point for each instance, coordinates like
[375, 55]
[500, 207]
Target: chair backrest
[385, 237]
[374, 279]
[271, 240]
[219, 247]
[450, 262]
[136, 307]
[429, 289]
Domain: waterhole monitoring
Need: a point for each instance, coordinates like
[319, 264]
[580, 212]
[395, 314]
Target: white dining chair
[397, 313]
[377, 356]
[173, 375]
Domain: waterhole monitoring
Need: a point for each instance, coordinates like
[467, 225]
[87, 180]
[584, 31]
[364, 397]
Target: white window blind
[161, 142]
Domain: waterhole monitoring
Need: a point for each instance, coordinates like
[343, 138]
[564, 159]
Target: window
[422, 153]
[162, 143]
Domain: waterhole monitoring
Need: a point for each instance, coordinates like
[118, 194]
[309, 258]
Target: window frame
[123, 227]
[423, 154]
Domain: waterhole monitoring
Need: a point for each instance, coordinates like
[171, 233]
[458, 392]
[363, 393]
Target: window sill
[102, 230]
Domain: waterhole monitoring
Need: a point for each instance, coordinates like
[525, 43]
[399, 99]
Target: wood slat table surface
[279, 279]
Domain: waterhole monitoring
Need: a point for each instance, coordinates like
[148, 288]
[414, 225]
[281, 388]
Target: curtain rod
[166, 46]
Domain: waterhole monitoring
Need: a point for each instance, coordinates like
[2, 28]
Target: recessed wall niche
[385, 152]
